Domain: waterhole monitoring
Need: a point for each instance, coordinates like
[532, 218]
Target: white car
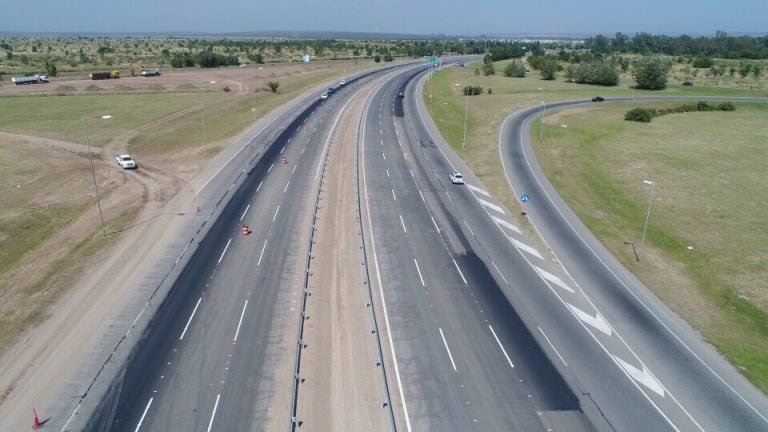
[457, 178]
[126, 161]
[324, 96]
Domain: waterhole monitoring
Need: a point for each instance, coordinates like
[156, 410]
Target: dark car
[688, 83]
[598, 99]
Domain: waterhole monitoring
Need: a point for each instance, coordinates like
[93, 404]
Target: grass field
[710, 193]
[225, 116]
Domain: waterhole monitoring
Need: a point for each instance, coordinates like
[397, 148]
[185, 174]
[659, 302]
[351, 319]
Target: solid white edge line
[403, 224]
[500, 273]
[553, 346]
[459, 270]
[189, 321]
[274, 217]
[632, 293]
[225, 250]
[435, 223]
[261, 255]
[381, 294]
[244, 212]
[470, 229]
[447, 349]
[239, 323]
[501, 346]
[146, 410]
[213, 414]
[419, 271]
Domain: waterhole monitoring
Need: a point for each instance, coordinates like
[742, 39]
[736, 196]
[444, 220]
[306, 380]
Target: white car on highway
[126, 161]
[457, 178]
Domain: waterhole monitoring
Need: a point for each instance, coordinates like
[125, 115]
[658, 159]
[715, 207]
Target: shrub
[488, 69]
[597, 73]
[639, 115]
[273, 85]
[703, 62]
[651, 73]
[548, 69]
[515, 69]
[472, 90]
[726, 106]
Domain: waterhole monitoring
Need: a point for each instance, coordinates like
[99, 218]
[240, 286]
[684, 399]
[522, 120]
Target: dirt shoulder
[343, 388]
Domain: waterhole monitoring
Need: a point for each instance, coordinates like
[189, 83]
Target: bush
[597, 73]
[548, 69]
[726, 106]
[273, 85]
[703, 62]
[472, 90]
[488, 69]
[651, 73]
[646, 114]
[639, 115]
[515, 69]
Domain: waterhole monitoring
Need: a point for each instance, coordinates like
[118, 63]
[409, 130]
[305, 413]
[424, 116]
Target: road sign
[525, 198]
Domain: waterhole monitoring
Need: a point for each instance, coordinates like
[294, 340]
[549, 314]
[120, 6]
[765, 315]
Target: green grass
[225, 116]
[710, 193]
[61, 117]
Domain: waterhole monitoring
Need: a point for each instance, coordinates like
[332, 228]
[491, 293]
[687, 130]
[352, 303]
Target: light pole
[647, 216]
[541, 114]
[93, 172]
[466, 112]
[202, 116]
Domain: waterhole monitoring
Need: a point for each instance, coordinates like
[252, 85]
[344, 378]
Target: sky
[449, 17]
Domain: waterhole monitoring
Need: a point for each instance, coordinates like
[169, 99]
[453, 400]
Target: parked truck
[150, 72]
[34, 79]
[113, 74]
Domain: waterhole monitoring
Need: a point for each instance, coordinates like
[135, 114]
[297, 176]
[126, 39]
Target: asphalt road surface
[684, 383]
[208, 358]
[465, 358]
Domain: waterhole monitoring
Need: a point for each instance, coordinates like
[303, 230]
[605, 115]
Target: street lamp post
[466, 112]
[541, 114]
[202, 116]
[647, 216]
[93, 174]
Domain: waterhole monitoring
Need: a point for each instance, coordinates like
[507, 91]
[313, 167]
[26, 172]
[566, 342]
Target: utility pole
[93, 174]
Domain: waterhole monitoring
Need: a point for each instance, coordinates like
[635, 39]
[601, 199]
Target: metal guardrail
[295, 421]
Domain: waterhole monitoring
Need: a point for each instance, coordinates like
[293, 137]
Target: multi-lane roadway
[482, 329]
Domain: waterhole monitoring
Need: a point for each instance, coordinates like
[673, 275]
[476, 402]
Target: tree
[548, 69]
[388, 57]
[703, 62]
[377, 58]
[597, 73]
[745, 68]
[757, 70]
[488, 69]
[50, 68]
[273, 85]
[650, 73]
[515, 69]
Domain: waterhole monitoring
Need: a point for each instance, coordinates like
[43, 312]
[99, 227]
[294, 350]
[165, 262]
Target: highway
[209, 357]
[466, 360]
[480, 329]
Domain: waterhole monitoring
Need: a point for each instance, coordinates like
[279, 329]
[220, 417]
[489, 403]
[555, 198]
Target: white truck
[126, 161]
[34, 79]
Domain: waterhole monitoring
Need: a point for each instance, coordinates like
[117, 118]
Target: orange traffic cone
[37, 424]
[246, 230]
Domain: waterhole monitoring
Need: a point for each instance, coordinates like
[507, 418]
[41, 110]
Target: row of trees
[721, 45]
